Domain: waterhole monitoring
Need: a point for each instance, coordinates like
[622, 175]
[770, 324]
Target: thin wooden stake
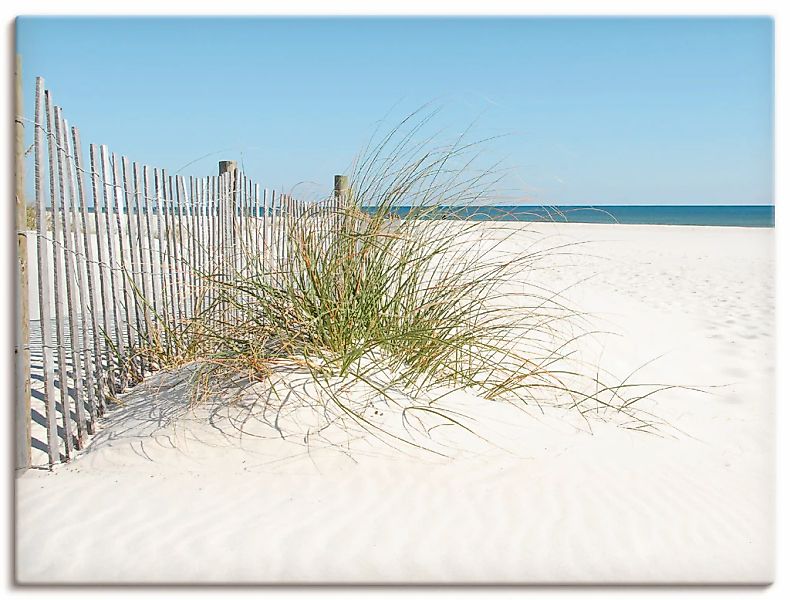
[81, 289]
[95, 300]
[143, 263]
[163, 259]
[22, 416]
[72, 297]
[172, 288]
[204, 233]
[104, 273]
[179, 247]
[127, 301]
[44, 270]
[258, 221]
[215, 256]
[194, 262]
[60, 309]
[132, 262]
[154, 282]
[115, 273]
[187, 268]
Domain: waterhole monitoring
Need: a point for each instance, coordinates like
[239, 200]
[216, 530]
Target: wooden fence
[127, 254]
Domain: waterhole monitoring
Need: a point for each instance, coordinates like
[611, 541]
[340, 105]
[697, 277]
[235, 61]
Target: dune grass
[404, 302]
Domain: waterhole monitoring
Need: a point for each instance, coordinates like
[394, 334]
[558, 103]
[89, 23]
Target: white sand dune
[167, 494]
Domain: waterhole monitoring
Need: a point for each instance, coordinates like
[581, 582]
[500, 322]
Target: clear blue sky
[596, 110]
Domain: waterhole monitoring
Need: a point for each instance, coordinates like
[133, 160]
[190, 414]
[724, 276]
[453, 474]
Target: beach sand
[168, 495]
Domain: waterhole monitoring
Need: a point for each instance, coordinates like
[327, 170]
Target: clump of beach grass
[383, 289]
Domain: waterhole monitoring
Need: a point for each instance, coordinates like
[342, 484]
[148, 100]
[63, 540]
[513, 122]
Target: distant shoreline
[690, 215]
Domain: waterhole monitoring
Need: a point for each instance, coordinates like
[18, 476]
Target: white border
[776, 8]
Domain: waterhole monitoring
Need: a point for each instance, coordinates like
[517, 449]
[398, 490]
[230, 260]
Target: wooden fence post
[227, 166]
[22, 354]
[341, 185]
[337, 213]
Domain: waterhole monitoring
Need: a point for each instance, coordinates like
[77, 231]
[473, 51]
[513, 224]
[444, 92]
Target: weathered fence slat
[283, 238]
[153, 282]
[132, 262]
[72, 296]
[238, 235]
[222, 215]
[259, 221]
[172, 301]
[277, 231]
[175, 220]
[143, 265]
[81, 289]
[204, 233]
[127, 300]
[160, 261]
[179, 247]
[243, 233]
[102, 254]
[94, 302]
[211, 242]
[44, 308]
[116, 286]
[60, 309]
[186, 243]
[22, 366]
[194, 261]
[216, 252]
[178, 280]
[227, 242]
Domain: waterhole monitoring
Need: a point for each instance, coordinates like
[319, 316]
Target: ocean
[719, 216]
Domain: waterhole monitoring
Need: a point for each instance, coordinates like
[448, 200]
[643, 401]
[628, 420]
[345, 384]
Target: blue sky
[590, 111]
